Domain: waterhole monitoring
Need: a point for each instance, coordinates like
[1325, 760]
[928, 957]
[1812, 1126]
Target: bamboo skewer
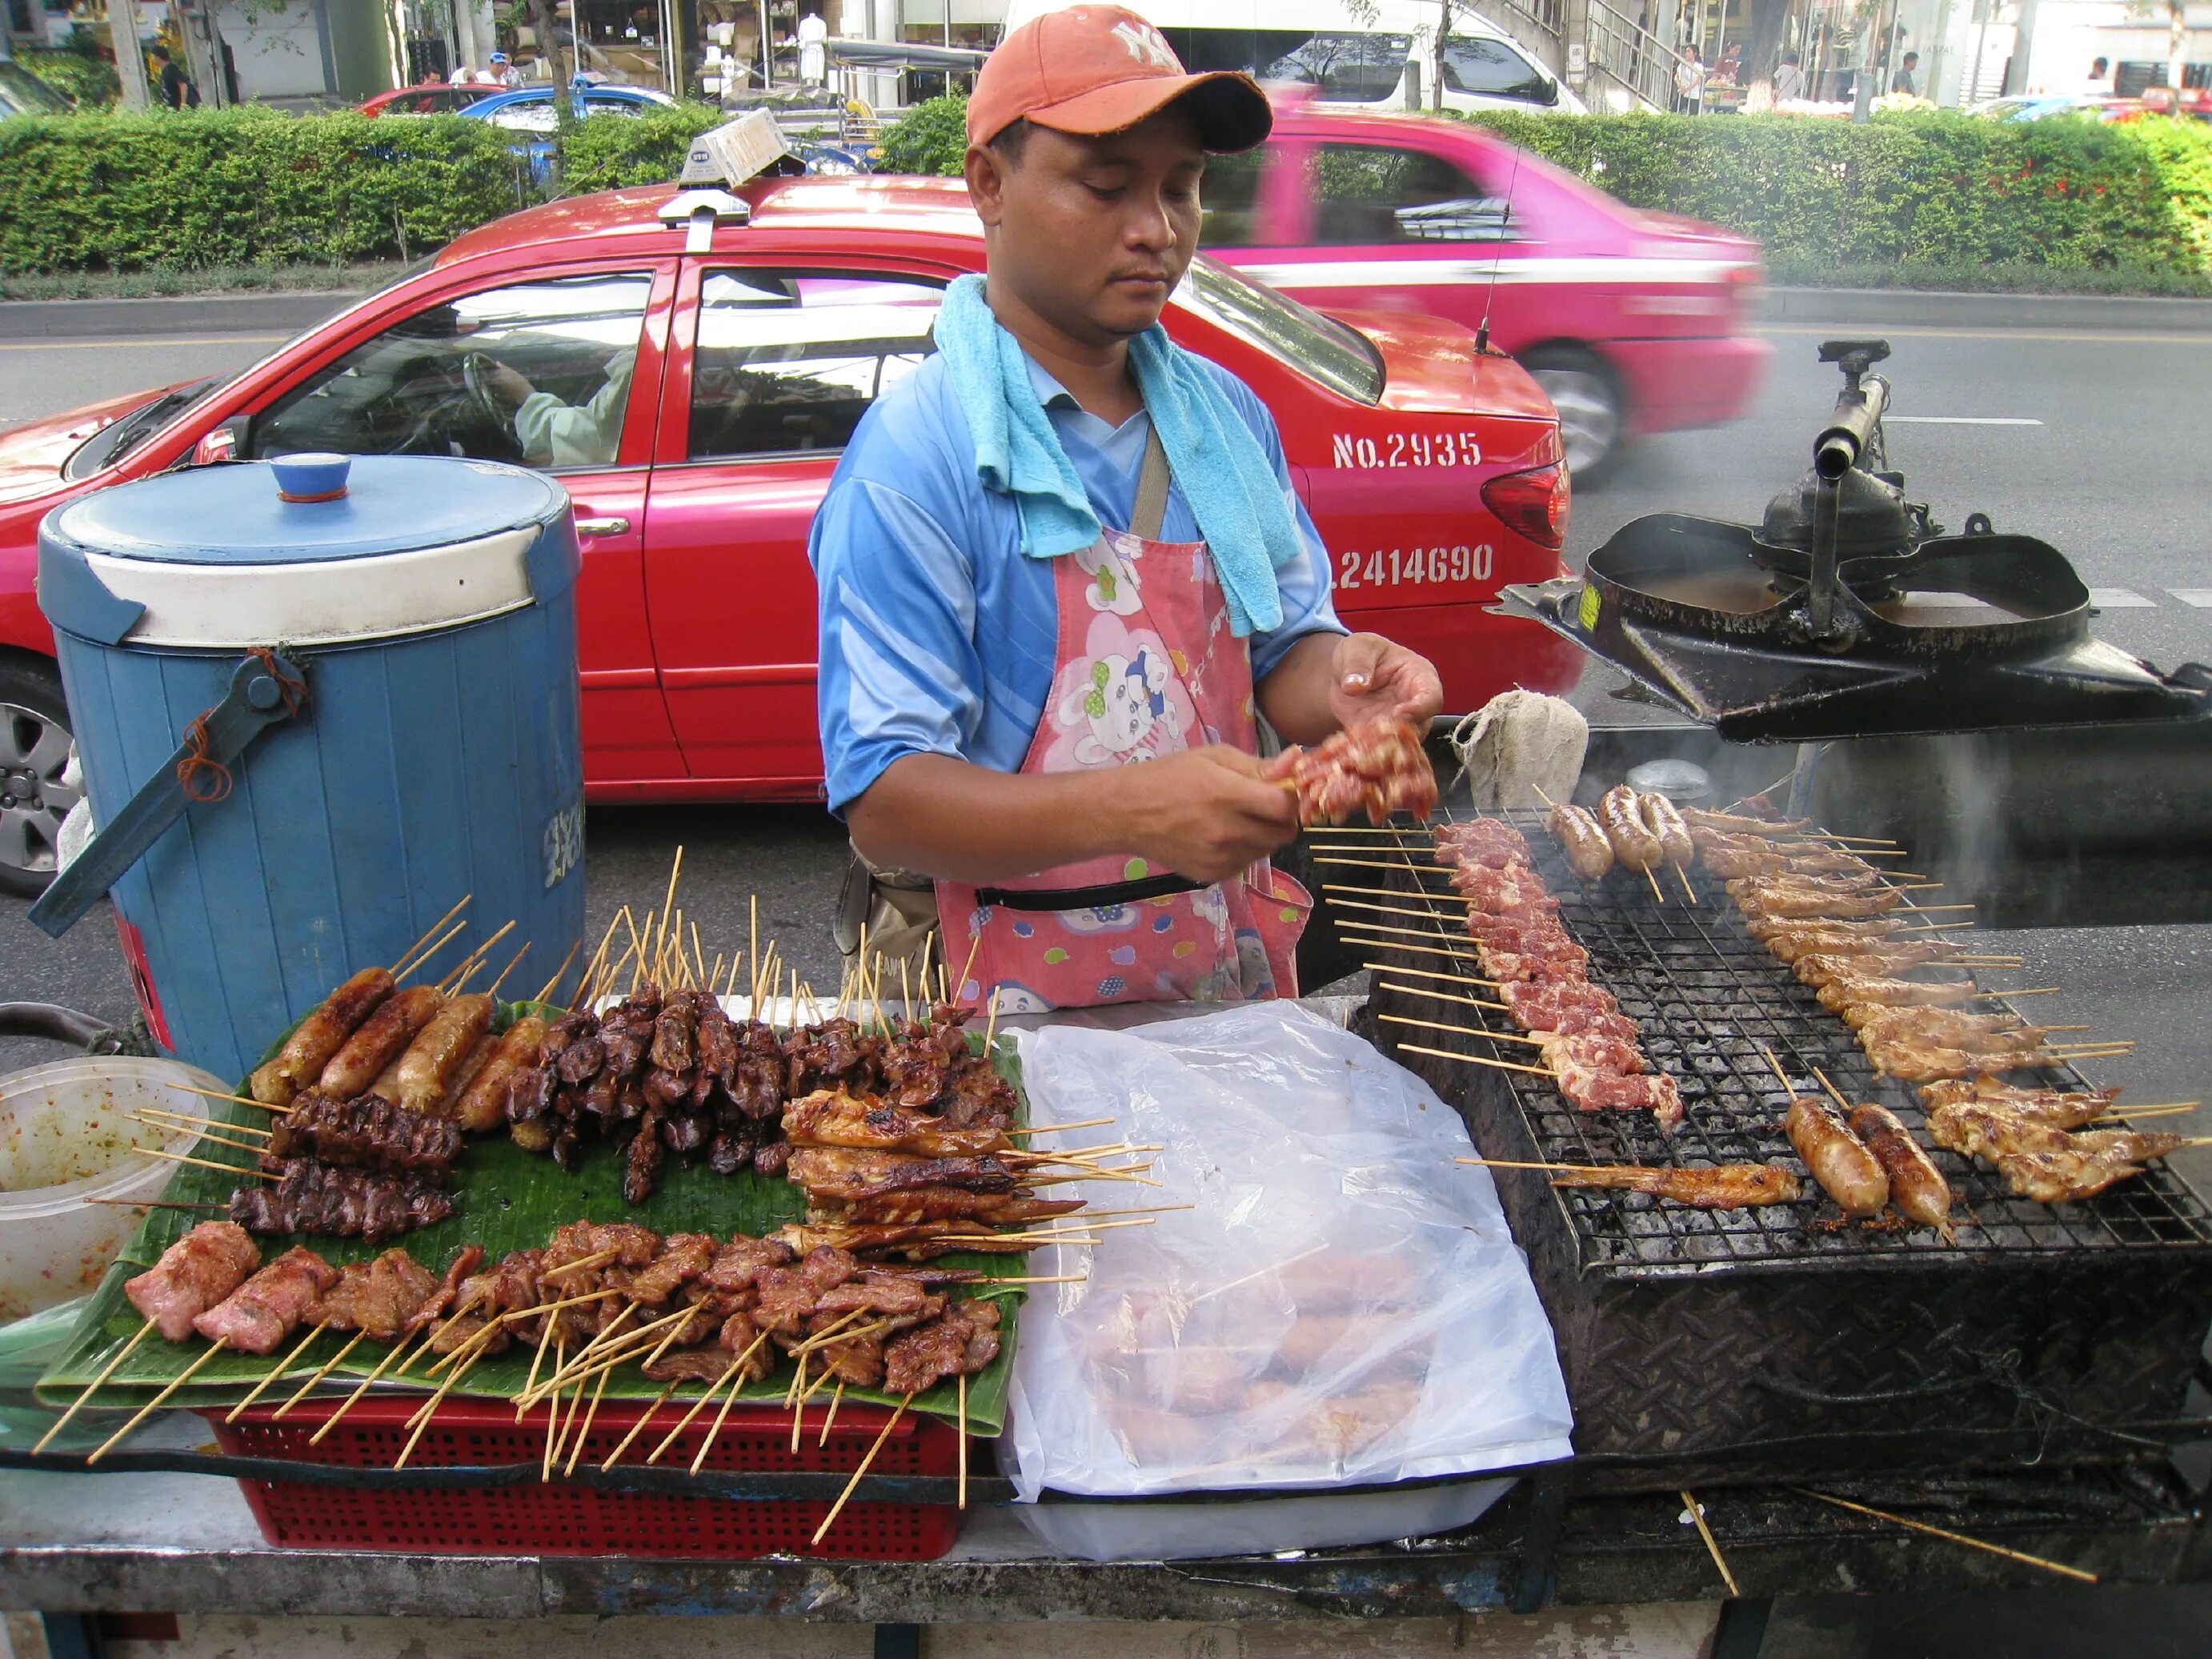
[1381, 863]
[275, 1371]
[145, 1113]
[1418, 949]
[315, 1382]
[638, 1427]
[553, 1414]
[1464, 1030]
[2022, 1555]
[408, 954]
[93, 1386]
[473, 1348]
[206, 1134]
[1479, 1060]
[361, 1388]
[545, 990]
[838, 1398]
[420, 958]
[1654, 880]
[240, 1100]
[149, 1407]
[576, 1446]
[707, 1441]
[492, 990]
[1439, 996]
[962, 1430]
[1712, 1544]
[203, 1163]
[525, 1399]
[838, 1508]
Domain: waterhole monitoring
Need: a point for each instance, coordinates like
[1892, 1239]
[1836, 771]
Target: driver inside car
[555, 434]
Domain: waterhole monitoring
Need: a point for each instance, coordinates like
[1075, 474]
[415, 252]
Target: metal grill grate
[1707, 997]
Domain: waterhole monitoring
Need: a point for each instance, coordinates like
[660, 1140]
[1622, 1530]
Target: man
[556, 435]
[2099, 83]
[174, 85]
[502, 73]
[1906, 80]
[1788, 80]
[1044, 636]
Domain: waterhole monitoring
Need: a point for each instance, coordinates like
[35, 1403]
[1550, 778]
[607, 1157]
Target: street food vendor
[1062, 546]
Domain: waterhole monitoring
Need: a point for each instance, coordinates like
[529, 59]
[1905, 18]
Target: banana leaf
[504, 1199]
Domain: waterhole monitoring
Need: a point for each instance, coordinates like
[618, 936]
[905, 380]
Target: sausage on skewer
[383, 1036]
[1589, 853]
[483, 1104]
[1847, 1170]
[316, 1038]
[440, 1047]
[1633, 843]
[1916, 1186]
[1665, 824]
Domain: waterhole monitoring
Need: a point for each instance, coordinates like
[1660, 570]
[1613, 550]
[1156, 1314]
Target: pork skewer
[1847, 1170]
[1716, 1187]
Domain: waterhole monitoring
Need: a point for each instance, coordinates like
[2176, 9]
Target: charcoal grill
[1710, 1346]
[1847, 611]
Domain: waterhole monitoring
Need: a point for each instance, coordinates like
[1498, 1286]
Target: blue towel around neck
[1217, 464]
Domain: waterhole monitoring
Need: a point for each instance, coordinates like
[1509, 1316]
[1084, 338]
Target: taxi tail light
[1532, 503]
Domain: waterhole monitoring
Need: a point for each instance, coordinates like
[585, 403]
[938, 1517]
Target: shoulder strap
[1151, 508]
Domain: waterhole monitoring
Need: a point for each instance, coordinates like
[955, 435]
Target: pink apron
[1144, 666]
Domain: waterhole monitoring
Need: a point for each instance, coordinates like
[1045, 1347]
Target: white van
[1352, 56]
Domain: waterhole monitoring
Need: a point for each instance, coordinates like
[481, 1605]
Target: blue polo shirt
[937, 634]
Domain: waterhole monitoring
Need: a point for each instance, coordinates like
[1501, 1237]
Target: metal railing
[1546, 19]
[1624, 51]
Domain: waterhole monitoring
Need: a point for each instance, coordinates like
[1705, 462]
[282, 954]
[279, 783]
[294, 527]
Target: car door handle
[603, 526]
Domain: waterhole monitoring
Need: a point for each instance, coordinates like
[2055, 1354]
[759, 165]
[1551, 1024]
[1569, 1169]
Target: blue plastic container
[431, 607]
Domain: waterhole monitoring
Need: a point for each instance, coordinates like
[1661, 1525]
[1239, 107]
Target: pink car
[1632, 321]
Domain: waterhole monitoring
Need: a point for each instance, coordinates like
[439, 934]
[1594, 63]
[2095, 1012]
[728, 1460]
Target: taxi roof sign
[735, 151]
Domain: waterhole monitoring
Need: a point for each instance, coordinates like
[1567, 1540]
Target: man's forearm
[1295, 696]
[960, 822]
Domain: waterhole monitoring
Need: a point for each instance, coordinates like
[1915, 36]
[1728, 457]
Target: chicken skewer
[1717, 1186]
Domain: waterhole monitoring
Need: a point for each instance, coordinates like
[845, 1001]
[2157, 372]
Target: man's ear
[986, 172]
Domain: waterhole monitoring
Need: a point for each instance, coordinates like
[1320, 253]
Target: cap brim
[1231, 111]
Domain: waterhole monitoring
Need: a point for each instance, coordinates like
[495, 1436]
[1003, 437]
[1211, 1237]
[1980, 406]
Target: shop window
[789, 363]
[1366, 194]
[537, 372]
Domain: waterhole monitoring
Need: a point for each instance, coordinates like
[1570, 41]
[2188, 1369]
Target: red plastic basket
[558, 1518]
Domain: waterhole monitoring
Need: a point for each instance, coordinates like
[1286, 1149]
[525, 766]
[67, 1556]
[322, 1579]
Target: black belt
[1087, 898]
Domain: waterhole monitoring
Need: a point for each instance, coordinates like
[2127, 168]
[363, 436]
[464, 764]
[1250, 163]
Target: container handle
[265, 689]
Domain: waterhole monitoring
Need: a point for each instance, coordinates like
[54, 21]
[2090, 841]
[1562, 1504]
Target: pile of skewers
[1377, 767]
[2035, 1137]
[596, 1298]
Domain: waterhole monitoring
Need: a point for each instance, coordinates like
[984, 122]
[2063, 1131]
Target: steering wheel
[474, 366]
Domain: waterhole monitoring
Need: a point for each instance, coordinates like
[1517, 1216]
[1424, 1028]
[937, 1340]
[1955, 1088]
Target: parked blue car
[529, 113]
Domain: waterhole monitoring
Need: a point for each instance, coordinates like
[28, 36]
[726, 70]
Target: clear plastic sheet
[1342, 1305]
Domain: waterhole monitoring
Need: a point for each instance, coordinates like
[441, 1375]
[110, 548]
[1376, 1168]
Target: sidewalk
[1842, 307]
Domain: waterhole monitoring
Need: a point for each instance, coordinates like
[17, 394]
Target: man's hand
[504, 384]
[1205, 813]
[1372, 677]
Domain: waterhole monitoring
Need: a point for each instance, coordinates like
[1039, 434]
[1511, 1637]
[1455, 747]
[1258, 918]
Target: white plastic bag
[1342, 1305]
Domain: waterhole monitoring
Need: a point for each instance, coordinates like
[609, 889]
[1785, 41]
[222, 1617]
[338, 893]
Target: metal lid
[217, 558]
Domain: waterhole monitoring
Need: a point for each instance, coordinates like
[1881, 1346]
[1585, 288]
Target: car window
[1495, 69]
[536, 372]
[788, 361]
[1366, 193]
[1318, 346]
[1229, 197]
[1352, 69]
[23, 92]
[538, 118]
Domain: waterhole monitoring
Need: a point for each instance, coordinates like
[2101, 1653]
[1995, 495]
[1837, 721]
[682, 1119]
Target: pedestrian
[1907, 79]
[1061, 563]
[174, 86]
[1689, 82]
[813, 52]
[463, 75]
[1789, 79]
[2099, 83]
[502, 73]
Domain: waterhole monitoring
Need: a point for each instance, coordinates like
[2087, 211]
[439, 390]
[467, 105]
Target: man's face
[1092, 234]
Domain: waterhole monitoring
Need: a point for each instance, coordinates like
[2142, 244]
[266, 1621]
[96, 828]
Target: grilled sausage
[1590, 854]
[1666, 827]
[1633, 843]
[439, 1049]
[1916, 1186]
[383, 1036]
[316, 1038]
[483, 1101]
[465, 1074]
[1847, 1171]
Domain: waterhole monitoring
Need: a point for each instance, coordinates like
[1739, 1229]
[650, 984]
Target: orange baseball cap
[1092, 70]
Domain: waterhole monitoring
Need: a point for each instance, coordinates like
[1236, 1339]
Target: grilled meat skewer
[1719, 1187]
[1582, 840]
[319, 1036]
[1839, 996]
[1378, 767]
[2061, 1108]
[266, 1309]
[1916, 1186]
[1846, 1169]
[318, 1198]
[193, 1275]
[369, 1133]
[2061, 1177]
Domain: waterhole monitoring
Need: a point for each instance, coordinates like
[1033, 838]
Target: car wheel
[34, 747]
[1592, 415]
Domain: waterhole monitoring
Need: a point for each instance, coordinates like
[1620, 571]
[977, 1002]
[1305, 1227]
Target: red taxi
[715, 379]
[1632, 321]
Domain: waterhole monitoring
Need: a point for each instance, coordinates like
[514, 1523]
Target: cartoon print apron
[1144, 666]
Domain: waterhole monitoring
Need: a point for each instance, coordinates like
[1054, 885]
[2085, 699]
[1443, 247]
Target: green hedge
[176, 189]
[606, 152]
[77, 72]
[1926, 189]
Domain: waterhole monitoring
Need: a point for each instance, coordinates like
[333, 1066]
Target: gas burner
[1848, 611]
